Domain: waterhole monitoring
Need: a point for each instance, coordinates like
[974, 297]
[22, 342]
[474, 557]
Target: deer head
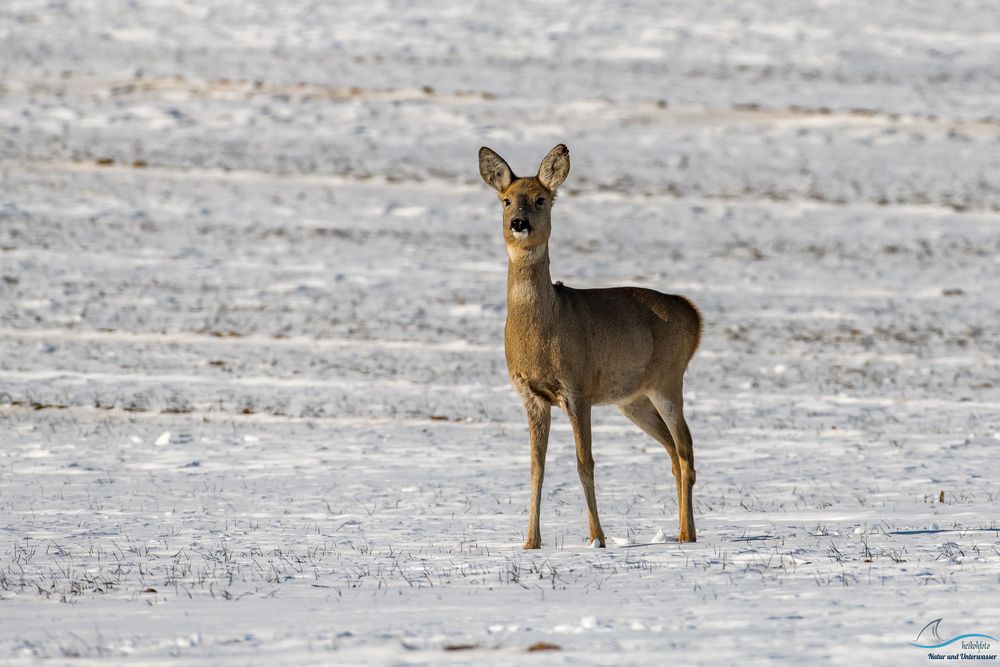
[527, 202]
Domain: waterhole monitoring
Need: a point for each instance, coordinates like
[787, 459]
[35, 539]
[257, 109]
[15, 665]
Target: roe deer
[577, 348]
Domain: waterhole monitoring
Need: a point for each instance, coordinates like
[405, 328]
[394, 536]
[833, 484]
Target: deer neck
[530, 294]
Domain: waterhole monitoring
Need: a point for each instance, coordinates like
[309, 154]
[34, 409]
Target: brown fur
[578, 348]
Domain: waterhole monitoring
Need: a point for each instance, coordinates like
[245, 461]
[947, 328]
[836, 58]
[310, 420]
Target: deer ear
[554, 168]
[494, 170]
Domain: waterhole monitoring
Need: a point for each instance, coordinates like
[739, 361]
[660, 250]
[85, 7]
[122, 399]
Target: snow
[253, 400]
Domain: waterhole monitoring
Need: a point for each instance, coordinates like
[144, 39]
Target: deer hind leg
[579, 417]
[671, 410]
[644, 415]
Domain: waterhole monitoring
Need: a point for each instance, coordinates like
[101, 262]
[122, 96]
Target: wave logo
[929, 638]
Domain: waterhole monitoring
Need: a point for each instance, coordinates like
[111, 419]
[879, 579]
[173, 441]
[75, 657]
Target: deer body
[573, 348]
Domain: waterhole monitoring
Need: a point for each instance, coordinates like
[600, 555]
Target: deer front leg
[579, 417]
[539, 419]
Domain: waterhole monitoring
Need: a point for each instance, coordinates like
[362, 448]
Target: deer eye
[506, 202]
[539, 201]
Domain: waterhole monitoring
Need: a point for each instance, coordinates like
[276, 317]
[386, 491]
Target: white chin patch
[519, 235]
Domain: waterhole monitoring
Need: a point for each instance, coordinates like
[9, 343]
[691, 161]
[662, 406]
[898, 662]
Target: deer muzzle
[520, 227]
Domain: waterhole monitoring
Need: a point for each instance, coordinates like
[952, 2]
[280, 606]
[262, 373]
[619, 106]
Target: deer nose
[520, 225]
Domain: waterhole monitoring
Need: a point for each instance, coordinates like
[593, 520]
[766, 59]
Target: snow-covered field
[253, 401]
